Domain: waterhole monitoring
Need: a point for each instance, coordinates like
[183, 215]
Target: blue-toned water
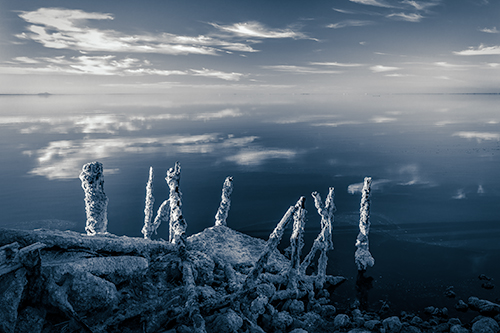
[434, 160]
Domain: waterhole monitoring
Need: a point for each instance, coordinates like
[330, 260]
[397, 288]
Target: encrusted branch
[323, 242]
[225, 203]
[96, 201]
[363, 257]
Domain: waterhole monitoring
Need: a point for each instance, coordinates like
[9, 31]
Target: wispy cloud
[350, 23]
[481, 50]
[226, 113]
[335, 64]
[412, 17]
[490, 30]
[382, 68]
[479, 136]
[375, 3]
[258, 30]
[253, 157]
[63, 159]
[382, 119]
[71, 29]
[299, 69]
[217, 74]
[420, 5]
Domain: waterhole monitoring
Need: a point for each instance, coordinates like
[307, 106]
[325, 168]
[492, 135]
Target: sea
[434, 160]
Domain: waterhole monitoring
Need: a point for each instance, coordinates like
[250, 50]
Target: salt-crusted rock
[30, 320]
[299, 330]
[392, 324]
[485, 325]
[296, 307]
[458, 329]
[12, 286]
[363, 257]
[234, 247]
[341, 321]
[282, 320]
[310, 321]
[87, 293]
[328, 311]
[115, 269]
[226, 322]
[149, 227]
[266, 289]
[225, 203]
[461, 306]
[258, 305]
[410, 329]
[372, 324]
[484, 307]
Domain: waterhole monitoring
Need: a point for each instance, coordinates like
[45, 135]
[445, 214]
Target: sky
[257, 46]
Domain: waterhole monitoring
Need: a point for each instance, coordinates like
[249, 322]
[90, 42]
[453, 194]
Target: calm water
[434, 160]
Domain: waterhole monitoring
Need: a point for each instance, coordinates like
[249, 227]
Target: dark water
[434, 160]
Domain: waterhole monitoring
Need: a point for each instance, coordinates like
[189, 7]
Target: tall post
[363, 257]
[177, 225]
[96, 201]
[225, 203]
[149, 228]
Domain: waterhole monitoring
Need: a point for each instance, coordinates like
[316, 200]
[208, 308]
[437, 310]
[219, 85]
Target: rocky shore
[63, 281]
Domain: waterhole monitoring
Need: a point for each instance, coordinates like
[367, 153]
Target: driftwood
[99, 244]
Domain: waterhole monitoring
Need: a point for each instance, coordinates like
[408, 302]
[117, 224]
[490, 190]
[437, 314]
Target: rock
[443, 327]
[461, 306]
[430, 310]
[30, 320]
[484, 307]
[410, 329]
[234, 248]
[227, 322]
[266, 289]
[416, 320]
[296, 307]
[485, 325]
[450, 293]
[372, 324]
[310, 321]
[258, 305]
[392, 324]
[488, 285]
[484, 277]
[299, 330]
[458, 329]
[12, 286]
[341, 321]
[454, 321]
[359, 330]
[88, 292]
[282, 320]
[328, 311]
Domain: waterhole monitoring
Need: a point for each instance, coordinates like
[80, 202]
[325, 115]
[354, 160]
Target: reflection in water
[433, 160]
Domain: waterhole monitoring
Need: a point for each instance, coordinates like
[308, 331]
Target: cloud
[419, 5]
[460, 195]
[413, 17]
[70, 29]
[64, 159]
[299, 69]
[349, 23]
[447, 65]
[226, 113]
[479, 136]
[217, 74]
[335, 64]
[481, 50]
[382, 69]
[490, 30]
[338, 123]
[257, 30]
[253, 157]
[381, 120]
[375, 3]
[376, 185]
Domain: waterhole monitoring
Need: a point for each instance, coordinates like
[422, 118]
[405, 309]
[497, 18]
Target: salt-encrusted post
[177, 225]
[96, 201]
[225, 203]
[149, 227]
[323, 241]
[363, 257]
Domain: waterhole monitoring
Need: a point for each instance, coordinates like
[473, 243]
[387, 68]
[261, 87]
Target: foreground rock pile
[53, 281]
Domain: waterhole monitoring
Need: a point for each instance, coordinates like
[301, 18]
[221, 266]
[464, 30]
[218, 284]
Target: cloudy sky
[260, 46]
